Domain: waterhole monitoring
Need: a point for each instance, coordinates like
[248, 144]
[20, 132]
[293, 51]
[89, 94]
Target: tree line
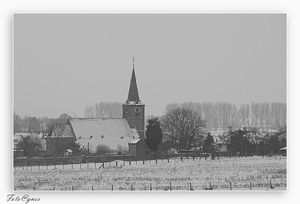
[104, 110]
[184, 130]
[221, 115]
[21, 124]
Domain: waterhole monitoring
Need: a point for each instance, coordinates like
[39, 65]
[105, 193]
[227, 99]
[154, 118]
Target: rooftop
[91, 132]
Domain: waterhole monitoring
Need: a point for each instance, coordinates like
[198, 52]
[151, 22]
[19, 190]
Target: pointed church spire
[133, 94]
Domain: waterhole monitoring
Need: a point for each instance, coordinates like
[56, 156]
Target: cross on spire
[133, 61]
[133, 94]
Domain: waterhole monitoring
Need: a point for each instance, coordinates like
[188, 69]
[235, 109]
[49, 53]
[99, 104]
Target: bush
[102, 149]
[123, 149]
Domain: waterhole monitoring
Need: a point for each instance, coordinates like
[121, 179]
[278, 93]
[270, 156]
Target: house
[136, 147]
[283, 151]
[59, 140]
[221, 147]
[68, 153]
[221, 144]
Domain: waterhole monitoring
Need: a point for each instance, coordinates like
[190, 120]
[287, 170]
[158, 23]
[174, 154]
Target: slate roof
[91, 132]
[133, 94]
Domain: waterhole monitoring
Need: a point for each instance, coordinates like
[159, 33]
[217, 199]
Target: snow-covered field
[220, 174]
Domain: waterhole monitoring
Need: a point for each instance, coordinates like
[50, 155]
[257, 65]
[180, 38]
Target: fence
[167, 187]
[48, 161]
[62, 162]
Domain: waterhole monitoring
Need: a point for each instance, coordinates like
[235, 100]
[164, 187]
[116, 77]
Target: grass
[179, 175]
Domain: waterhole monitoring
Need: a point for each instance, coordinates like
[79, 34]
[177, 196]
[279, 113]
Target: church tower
[133, 109]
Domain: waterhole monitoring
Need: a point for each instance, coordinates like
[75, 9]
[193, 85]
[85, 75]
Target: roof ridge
[82, 118]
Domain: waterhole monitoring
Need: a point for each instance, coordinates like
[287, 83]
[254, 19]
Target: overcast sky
[62, 63]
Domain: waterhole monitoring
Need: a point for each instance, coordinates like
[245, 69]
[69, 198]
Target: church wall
[135, 120]
[57, 145]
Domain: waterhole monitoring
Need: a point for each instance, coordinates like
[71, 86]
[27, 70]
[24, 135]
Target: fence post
[156, 161]
[250, 186]
[181, 158]
[92, 187]
[150, 187]
[143, 162]
[112, 187]
[34, 188]
[168, 160]
[130, 162]
[95, 165]
[131, 188]
[80, 165]
[170, 186]
[230, 186]
[271, 185]
[72, 165]
[116, 163]
[63, 166]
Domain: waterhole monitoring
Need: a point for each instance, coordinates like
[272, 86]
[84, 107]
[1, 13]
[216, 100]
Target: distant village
[127, 135]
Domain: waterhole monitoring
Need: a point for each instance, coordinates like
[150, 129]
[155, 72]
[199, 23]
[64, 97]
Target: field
[263, 173]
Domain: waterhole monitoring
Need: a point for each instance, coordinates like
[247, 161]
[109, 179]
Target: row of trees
[22, 124]
[104, 110]
[184, 129]
[221, 115]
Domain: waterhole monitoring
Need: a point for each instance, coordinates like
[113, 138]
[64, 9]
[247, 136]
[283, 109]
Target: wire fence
[120, 163]
[169, 186]
[116, 163]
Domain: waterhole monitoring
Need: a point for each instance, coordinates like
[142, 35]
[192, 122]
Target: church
[126, 134]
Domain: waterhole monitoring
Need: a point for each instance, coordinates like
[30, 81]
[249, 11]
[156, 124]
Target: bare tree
[172, 106]
[222, 115]
[17, 123]
[104, 110]
[278, 115]
[89, 112]
[244, 115]
[209, 114]
[182, 127]
[254, 115]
